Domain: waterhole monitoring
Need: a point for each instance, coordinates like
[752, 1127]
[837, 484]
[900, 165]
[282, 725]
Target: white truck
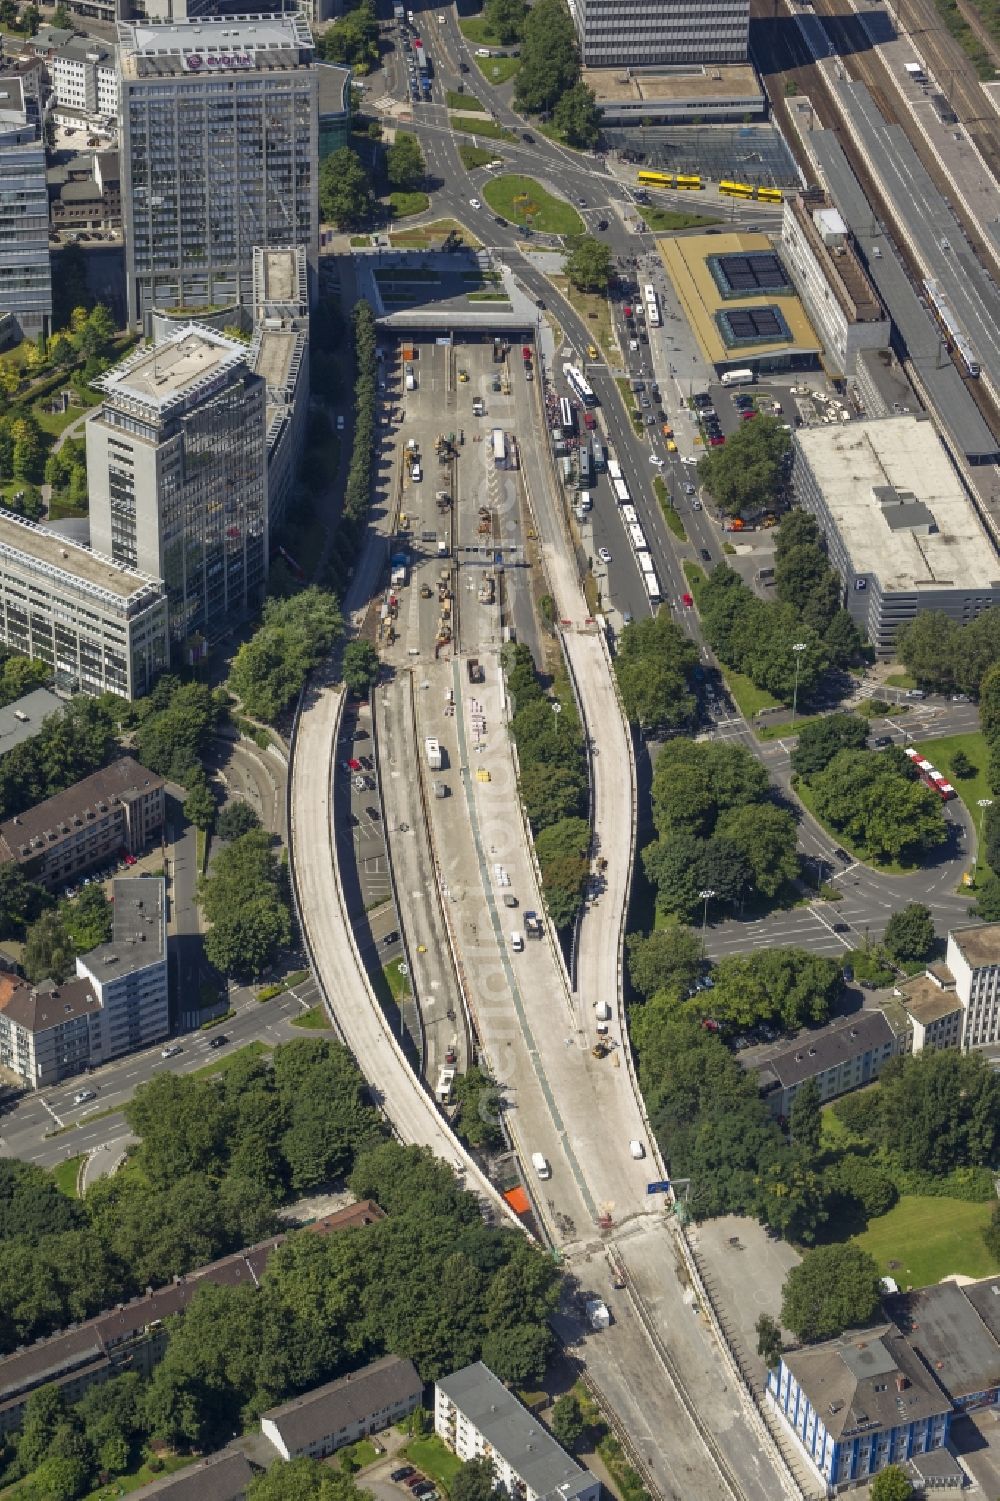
[598, 1316]
[432, 750]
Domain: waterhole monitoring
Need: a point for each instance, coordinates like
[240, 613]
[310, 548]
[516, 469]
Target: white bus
[630, 515]
[738, 378]
[567, 416]
[621, 492]
[652, 306]
[614, 469]
[579, 386]
[652, 586]
[499, 446]
[638, 537]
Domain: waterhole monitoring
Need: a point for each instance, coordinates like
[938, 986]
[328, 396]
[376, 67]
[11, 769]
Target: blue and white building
[858, 1403]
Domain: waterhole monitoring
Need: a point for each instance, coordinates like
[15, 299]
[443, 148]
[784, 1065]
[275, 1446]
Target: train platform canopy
[739, 302]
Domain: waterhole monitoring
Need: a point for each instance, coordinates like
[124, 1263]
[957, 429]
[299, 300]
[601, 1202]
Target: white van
[415, 474]
[517, 942]
[637, 1149]
[603, 1011]
[541, 1166]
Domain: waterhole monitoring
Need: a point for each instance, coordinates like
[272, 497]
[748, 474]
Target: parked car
[403, 1473]
[220, 1041]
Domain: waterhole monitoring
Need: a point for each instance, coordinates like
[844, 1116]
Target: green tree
[405, 163]
[961, 767]
[44, 1412]
[769, 1342]
[199, 805]
[991, 1233]
[842, 640]
[588, 264]
[790, 1197]
[568, 1423]
[235, 820]
[767, 837]
[806, 1119]
[550, 58]
[785, 985]
[562, 851]
[928, 647]
[361, 667]
[8, 14]
[878, 804]
[856, 1184]
[987, 903]
[552, 793]
[21, 900]
[476, 1481]
[909, 933]
[87, 919]
[938, 1111]
[62, 19]
[345, 192]
[269, 670]
[48, 950]
[352, 40]
[577, 116]
[654, 664]
[31, 19]
[302, 1480]
[61, 1478]
[820, 740]
[832, 1289]
[505, 19]
[745, 473]
[890, 1484]
[668, 958]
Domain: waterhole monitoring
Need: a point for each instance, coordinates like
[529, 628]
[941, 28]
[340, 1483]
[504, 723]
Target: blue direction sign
[663, 1187]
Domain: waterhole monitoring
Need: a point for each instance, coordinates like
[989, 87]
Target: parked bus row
[652, 307]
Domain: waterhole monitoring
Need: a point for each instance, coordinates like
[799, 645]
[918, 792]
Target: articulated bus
[579, 386]
[770, 195]
[747, 190]
[652, 306]
[668, 180]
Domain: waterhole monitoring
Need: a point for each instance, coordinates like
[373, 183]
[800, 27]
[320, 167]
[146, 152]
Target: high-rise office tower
[177, 470]
[25, 268]
[218, 155]
[651, 33]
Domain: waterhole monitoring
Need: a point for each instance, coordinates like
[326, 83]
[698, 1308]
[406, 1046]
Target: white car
[171, 1050]
[83, 1095]
[474, 203]
[604, 555]
[689, 489]
[483, 52]
[654, 458]
[633, 344]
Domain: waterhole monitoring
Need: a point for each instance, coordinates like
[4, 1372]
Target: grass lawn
[488, 297]
[60, 508]
[476, 29]
[594, 310]
[695, 576]
[900, 680]
[465, 101]
[363, 1452]
[399, 984]
[431, 1455]
[926, 1238]
[360, 242]
[402, 205]
[785, 727]
[663, 219]
[66, 1175]
[473, 127]
[631, 410]
[670, 513]
[475, 156]
[941, 753]
[122, 1484]
[431, 234]
[522, 200]
[55, 423]
[749, 699]
[226, 1061]
[315, 1019]
[498, 70]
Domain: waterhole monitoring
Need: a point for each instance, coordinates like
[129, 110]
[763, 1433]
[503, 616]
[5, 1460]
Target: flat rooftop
[841, 266]
[275, 352]
[979, 945]
[899, 506]
[946, 1331]
[52, 553]
[213, 44]
[687, 263]
[926, 1002]
[281, 275]
[169, 373]
[631, 85]
[23, 718]
[138, 931]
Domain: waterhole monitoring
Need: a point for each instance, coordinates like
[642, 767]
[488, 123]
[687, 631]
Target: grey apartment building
[900, 528]
[25, 267]
[617, 34]
[177, 469]
[218, 155]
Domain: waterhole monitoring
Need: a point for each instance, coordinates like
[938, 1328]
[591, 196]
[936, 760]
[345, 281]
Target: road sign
[662, 1187]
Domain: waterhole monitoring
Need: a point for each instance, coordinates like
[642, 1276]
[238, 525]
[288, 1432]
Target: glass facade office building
[621, 34]
[219, 154]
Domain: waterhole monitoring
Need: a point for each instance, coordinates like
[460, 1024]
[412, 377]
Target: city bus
[652, 585]
[652, 306]
[614, 469]
[770, 195]
[688, 182]
[657, 179]
[736, 189]
[621, 492]
[567, 416]
[580, 387]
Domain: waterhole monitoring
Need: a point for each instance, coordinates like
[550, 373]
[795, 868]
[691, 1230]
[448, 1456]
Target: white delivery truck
[432, 749]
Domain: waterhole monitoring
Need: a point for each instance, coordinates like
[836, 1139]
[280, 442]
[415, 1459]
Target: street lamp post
[706, 897]
[798, 647]
[982, 804]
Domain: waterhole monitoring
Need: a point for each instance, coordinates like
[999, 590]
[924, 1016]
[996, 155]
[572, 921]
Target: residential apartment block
[616, 35]
[842, 303]
[859, 1403]
[848, 1053]
[219, 155]
[100, 624]
[177, 470]
[119, 808]
[133, 1335]
[48, 1032]
[475, 1414]
[934, 1012]
[325, 1419]
[900, 528]
[25, 266]
[973, 956]
[128, 975]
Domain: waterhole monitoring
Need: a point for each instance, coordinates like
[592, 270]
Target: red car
[717, 441]
[526, 353]
[748, 415]
[686, 599]
[589, 421]
[627, 311]
[354, 764]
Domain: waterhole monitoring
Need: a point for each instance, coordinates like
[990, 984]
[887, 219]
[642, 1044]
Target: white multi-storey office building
[101, 627]
[617, 34]
[84, 75]
[177, 469]
[218, 155]
[128, 975]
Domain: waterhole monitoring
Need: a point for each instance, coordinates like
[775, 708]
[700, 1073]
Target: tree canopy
[550, 58]
[588, 263]
[820, 740]
[877, 802]
[295, 634]
[244, 898]
[654, 664]
[909, 933]
[744, 475]
[832, 1289]
[405, 164]
[345, 190]
[756, 637]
